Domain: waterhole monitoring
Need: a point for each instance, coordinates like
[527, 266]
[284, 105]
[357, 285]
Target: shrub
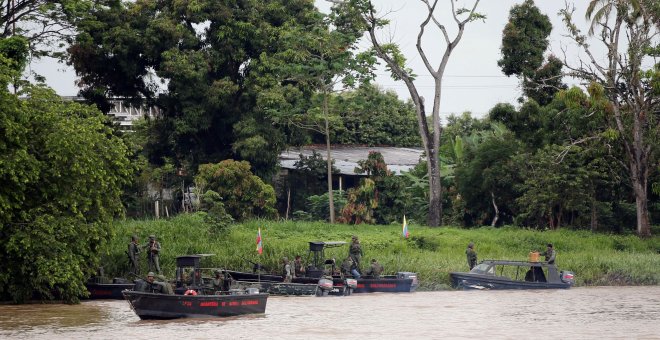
[243, 194]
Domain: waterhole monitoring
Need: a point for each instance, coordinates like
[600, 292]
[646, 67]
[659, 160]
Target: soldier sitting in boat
[220, 283]
[166, 286]
[298, 267]
[375, 269]
[348, 268]
[150, 285]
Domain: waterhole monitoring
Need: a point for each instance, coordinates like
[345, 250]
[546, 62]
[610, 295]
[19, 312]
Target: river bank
[596, 259]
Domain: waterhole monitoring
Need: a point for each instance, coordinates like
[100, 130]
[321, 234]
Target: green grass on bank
[596, 259]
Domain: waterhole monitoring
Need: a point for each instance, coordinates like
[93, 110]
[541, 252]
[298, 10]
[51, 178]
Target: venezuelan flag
[260, 248]
[405, 227]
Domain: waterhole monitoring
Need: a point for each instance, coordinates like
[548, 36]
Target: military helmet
[152, 236]
[471, 245]
[151, 274]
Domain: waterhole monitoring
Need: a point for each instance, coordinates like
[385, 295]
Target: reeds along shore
[596, 259]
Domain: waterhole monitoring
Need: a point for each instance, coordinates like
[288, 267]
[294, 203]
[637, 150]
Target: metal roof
[346, 157]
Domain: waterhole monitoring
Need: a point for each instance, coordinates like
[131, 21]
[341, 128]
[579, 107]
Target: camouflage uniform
[153, 251]
[355, 251]
[376, 269]
[471, 255]
[152, 285]
[218, 282]
[298, 267]
[549, 254]
[346, 266]
[133, 256]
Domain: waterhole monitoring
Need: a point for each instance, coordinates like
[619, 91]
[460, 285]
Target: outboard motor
[252, 290]
[349, 286]
[567, 277]
[140, 285]
[409, 275]
[325, 286]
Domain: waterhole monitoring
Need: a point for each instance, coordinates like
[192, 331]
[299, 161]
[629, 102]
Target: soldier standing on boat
[549, 254]
[133, 256]
[298, 267]
[153, 251]
[355, 252]
[375, 269]
[286, 270]
[471, 255]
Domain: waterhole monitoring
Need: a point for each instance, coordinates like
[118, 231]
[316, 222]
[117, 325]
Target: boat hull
[160, 306]
[387, 284]
[107, 290]
[279, 288]
[478, 281]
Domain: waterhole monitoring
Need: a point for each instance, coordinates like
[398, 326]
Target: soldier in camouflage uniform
[471, 255]
[133, 256]
[153, 251]
[549, 254]
[298, 267]
[152, 285]
[218, 282]
[348, 268]
[355, 252]
[375, 269]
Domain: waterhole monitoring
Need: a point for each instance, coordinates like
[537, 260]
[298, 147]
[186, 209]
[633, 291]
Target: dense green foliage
[45, 24]
[214, 59]
[241, 193]
[596, 259]
[370, 116]
[524, 40]
[62, 171]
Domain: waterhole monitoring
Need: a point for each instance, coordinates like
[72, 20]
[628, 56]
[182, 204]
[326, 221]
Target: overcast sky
[473, 81]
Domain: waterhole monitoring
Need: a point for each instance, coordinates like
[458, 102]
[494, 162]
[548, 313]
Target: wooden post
[288, 204]
[157, 210]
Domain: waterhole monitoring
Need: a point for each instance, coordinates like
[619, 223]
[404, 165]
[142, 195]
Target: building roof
[346, 157]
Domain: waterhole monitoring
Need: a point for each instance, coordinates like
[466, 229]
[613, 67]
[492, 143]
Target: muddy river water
[577, 313]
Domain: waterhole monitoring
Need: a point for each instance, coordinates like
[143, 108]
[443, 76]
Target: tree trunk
[594, 216]
[331, 201]
[497, 211]
[641, 203]
[435, 190]
[430, 137]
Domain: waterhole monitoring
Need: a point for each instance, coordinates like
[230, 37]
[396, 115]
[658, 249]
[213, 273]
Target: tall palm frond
[624, 7]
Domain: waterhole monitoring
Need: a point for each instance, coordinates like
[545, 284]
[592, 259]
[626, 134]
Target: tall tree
[203, 63]
[524, 41]
[62, 172]
[46, 24]
[396, 63]
[320, 58]
[628, 30]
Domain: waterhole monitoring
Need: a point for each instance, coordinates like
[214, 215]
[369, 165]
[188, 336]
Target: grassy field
[596, 259]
